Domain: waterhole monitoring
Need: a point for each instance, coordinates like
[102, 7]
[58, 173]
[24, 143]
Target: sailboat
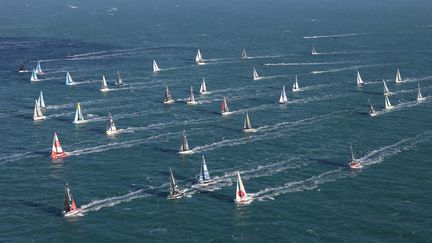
[204, 176]
[359, 79]
[175, 192]
[104, 86]
[191, 98]
[244, 55]
[57, 151]
[283, 97]
[388, 105]
[168, 99]
[255, 74]
[247, 127]
[155, 67]
[386, 89]
[79, 118]
[203, 88]
[295, 87]
[398, 77]
[41, 100]
[184, 146]
[372, 111]
[199, 59]
[224, 107]
[39, 69]
[420, 98]
[314, 52]
[111, 128]
[354, 163]
[241, 196]
[119, 81]
[70, 209]
[34, 77]
[37, 114]
[69, 80]
[22, 69]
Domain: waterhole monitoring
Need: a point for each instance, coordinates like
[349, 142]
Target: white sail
[119, 81]
[37, 113]
[255, 74]
[39, 69]
[69, 80]
[359, 79]
[155, 67]
[388, 105]
[283, 99]
[41, 100]
[419, 95]
[244, 55]
[386, 89]
[398, 77]
[191, 98]
[199, 58]
[168, 99]
[56, 147]
[314, 52]
[184, 145]
[241, 194]
[295, 85]
[111, 128]
[224, 107]
[204, 175]
[34, 76]
[79, 118]
[203, 88]
[247, 127]
[104, 86]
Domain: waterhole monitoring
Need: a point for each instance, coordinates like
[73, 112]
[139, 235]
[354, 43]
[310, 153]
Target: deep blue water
[294, 166]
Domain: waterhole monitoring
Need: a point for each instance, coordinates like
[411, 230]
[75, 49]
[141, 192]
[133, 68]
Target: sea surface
[294, 165]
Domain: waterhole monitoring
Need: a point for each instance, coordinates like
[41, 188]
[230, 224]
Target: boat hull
[79, 122]
[243, 201]
[104, 90]
[111, 133]
[191, 102]
[39, 118]
[251, 130]
[421, 99]
[204, 93]
[75, 213]
[226, 113]
[185, 152]
[355, 165]
[177, 196]
[58, 156]
[167, 102]
[296, 90]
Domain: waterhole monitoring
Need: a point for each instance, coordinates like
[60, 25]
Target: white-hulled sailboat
[69, 80]
[168, 99]
[420, 97]
[388, 105]
[244, 55]
[241, 195]
[354, 163]
[155, 66]
[359, 79]
[70, 209]
[111, 128]
[203, 87]
[39, 69]
[41, 100]
[199, 59]
[184, 145]
[191, 98]
[372, 111]
[119, 81]
[224, 107]
[34, 77]
[104, 86]
[57, 150]
[398, 78]
[314, 52]
[386, 89]
[37, 114]
[79, 118]
[204, 176]
[283, 97]
[295, 87]
[247, 127]
[175, 192]
[255, 74]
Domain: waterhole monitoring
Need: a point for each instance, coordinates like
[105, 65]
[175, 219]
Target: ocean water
[294, 166]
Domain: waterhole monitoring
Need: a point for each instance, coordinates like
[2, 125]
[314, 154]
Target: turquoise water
[294, 166]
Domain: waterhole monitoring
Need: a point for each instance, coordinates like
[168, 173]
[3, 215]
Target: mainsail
[119, 81]
[255, 74]
[69, 80]
[295, 85]
[352, 154]
[388, 105]
[191, 98]
[283, 97]
[398, 77]
[419, 95]
[34, 76]
[37, 114]
[184, 146]
[203, 88]
[199, 59]
[111, 125]
[175, 192]
[57, 151]
[41, 100]
[244, 55]
[168, 99]
[39, 69]
[224, 106]
[104, 86]
[241, 194]
[247, 123]
[69, 202]
[314, 52]
[155, 67]
[79, 118]
[386, 89]
[359, 79]
[204, 174]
